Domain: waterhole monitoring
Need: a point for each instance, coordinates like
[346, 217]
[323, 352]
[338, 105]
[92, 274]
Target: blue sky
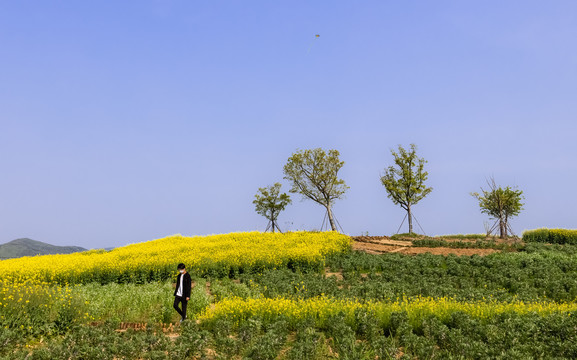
[122, 122]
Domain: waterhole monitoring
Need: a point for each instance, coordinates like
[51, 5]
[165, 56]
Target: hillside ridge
[28, 247]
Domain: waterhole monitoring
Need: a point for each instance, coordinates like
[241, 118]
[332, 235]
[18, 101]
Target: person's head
[181, 268]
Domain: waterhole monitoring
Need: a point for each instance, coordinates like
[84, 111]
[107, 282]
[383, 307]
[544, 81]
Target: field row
[290, 296]
[319, 328]
[319, 310]
[216, 255]
[547, 273]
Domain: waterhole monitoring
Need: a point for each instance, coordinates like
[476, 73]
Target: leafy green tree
[269, 202]
[314, 174]
[405, 182]
[500, 204]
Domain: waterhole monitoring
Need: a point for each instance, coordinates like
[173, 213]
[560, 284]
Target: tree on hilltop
[501, 205]
[314, 174]
[405, 182]
[269, 202]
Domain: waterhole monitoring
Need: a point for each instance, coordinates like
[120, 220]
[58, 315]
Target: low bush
[466, 236]
[405, 236]
[479, 244]
[551, 236]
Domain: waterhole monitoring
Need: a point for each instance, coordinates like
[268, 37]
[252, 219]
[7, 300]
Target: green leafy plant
[551, 236]
[406, 236]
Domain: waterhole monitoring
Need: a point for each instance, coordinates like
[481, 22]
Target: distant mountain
[28, 247]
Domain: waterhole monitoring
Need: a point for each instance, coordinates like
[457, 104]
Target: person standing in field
[182, 291]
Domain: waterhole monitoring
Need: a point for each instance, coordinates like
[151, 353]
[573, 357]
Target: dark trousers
[178, 299]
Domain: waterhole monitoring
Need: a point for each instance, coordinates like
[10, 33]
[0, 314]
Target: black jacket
[186, 285]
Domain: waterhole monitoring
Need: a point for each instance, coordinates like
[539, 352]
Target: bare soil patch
[373, 248]
[167, 329]
[381, 240]
[384, 244]
[338, 275]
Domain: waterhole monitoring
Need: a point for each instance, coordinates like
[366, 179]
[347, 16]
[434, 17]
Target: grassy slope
[28, 247]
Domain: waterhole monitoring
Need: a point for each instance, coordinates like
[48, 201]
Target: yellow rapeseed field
[417, 308]
[157, 259]
[37, 307]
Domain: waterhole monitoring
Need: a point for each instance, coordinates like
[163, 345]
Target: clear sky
[126, 121]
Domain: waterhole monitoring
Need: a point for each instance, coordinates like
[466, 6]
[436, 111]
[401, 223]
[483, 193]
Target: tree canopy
[314, 174]
[500, 204]
[405, 181]
[269, 202]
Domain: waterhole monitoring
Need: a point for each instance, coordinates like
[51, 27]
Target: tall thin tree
[269, 202]
[405, 182]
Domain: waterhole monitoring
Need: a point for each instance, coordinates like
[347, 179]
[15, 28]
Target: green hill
[28, 247]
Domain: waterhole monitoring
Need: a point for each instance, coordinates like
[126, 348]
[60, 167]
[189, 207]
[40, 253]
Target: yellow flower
[202, 254]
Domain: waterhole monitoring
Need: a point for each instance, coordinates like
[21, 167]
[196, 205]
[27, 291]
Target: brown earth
[383, 244]
[381, 240]
[375, 248]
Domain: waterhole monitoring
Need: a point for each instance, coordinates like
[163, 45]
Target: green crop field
[310, 296]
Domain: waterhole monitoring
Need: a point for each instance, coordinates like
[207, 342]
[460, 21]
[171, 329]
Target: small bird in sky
[312, 43]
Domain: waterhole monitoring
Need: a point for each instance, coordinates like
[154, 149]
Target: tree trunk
[331, 220]
[410, 219]
[502, 229]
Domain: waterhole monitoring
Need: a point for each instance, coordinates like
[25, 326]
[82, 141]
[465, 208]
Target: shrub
[404, 236]
[479, 244]
[466, 236]
[551, 236]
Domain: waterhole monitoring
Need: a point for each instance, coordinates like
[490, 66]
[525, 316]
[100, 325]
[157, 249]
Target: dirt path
[372, 248]
[381, 241]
